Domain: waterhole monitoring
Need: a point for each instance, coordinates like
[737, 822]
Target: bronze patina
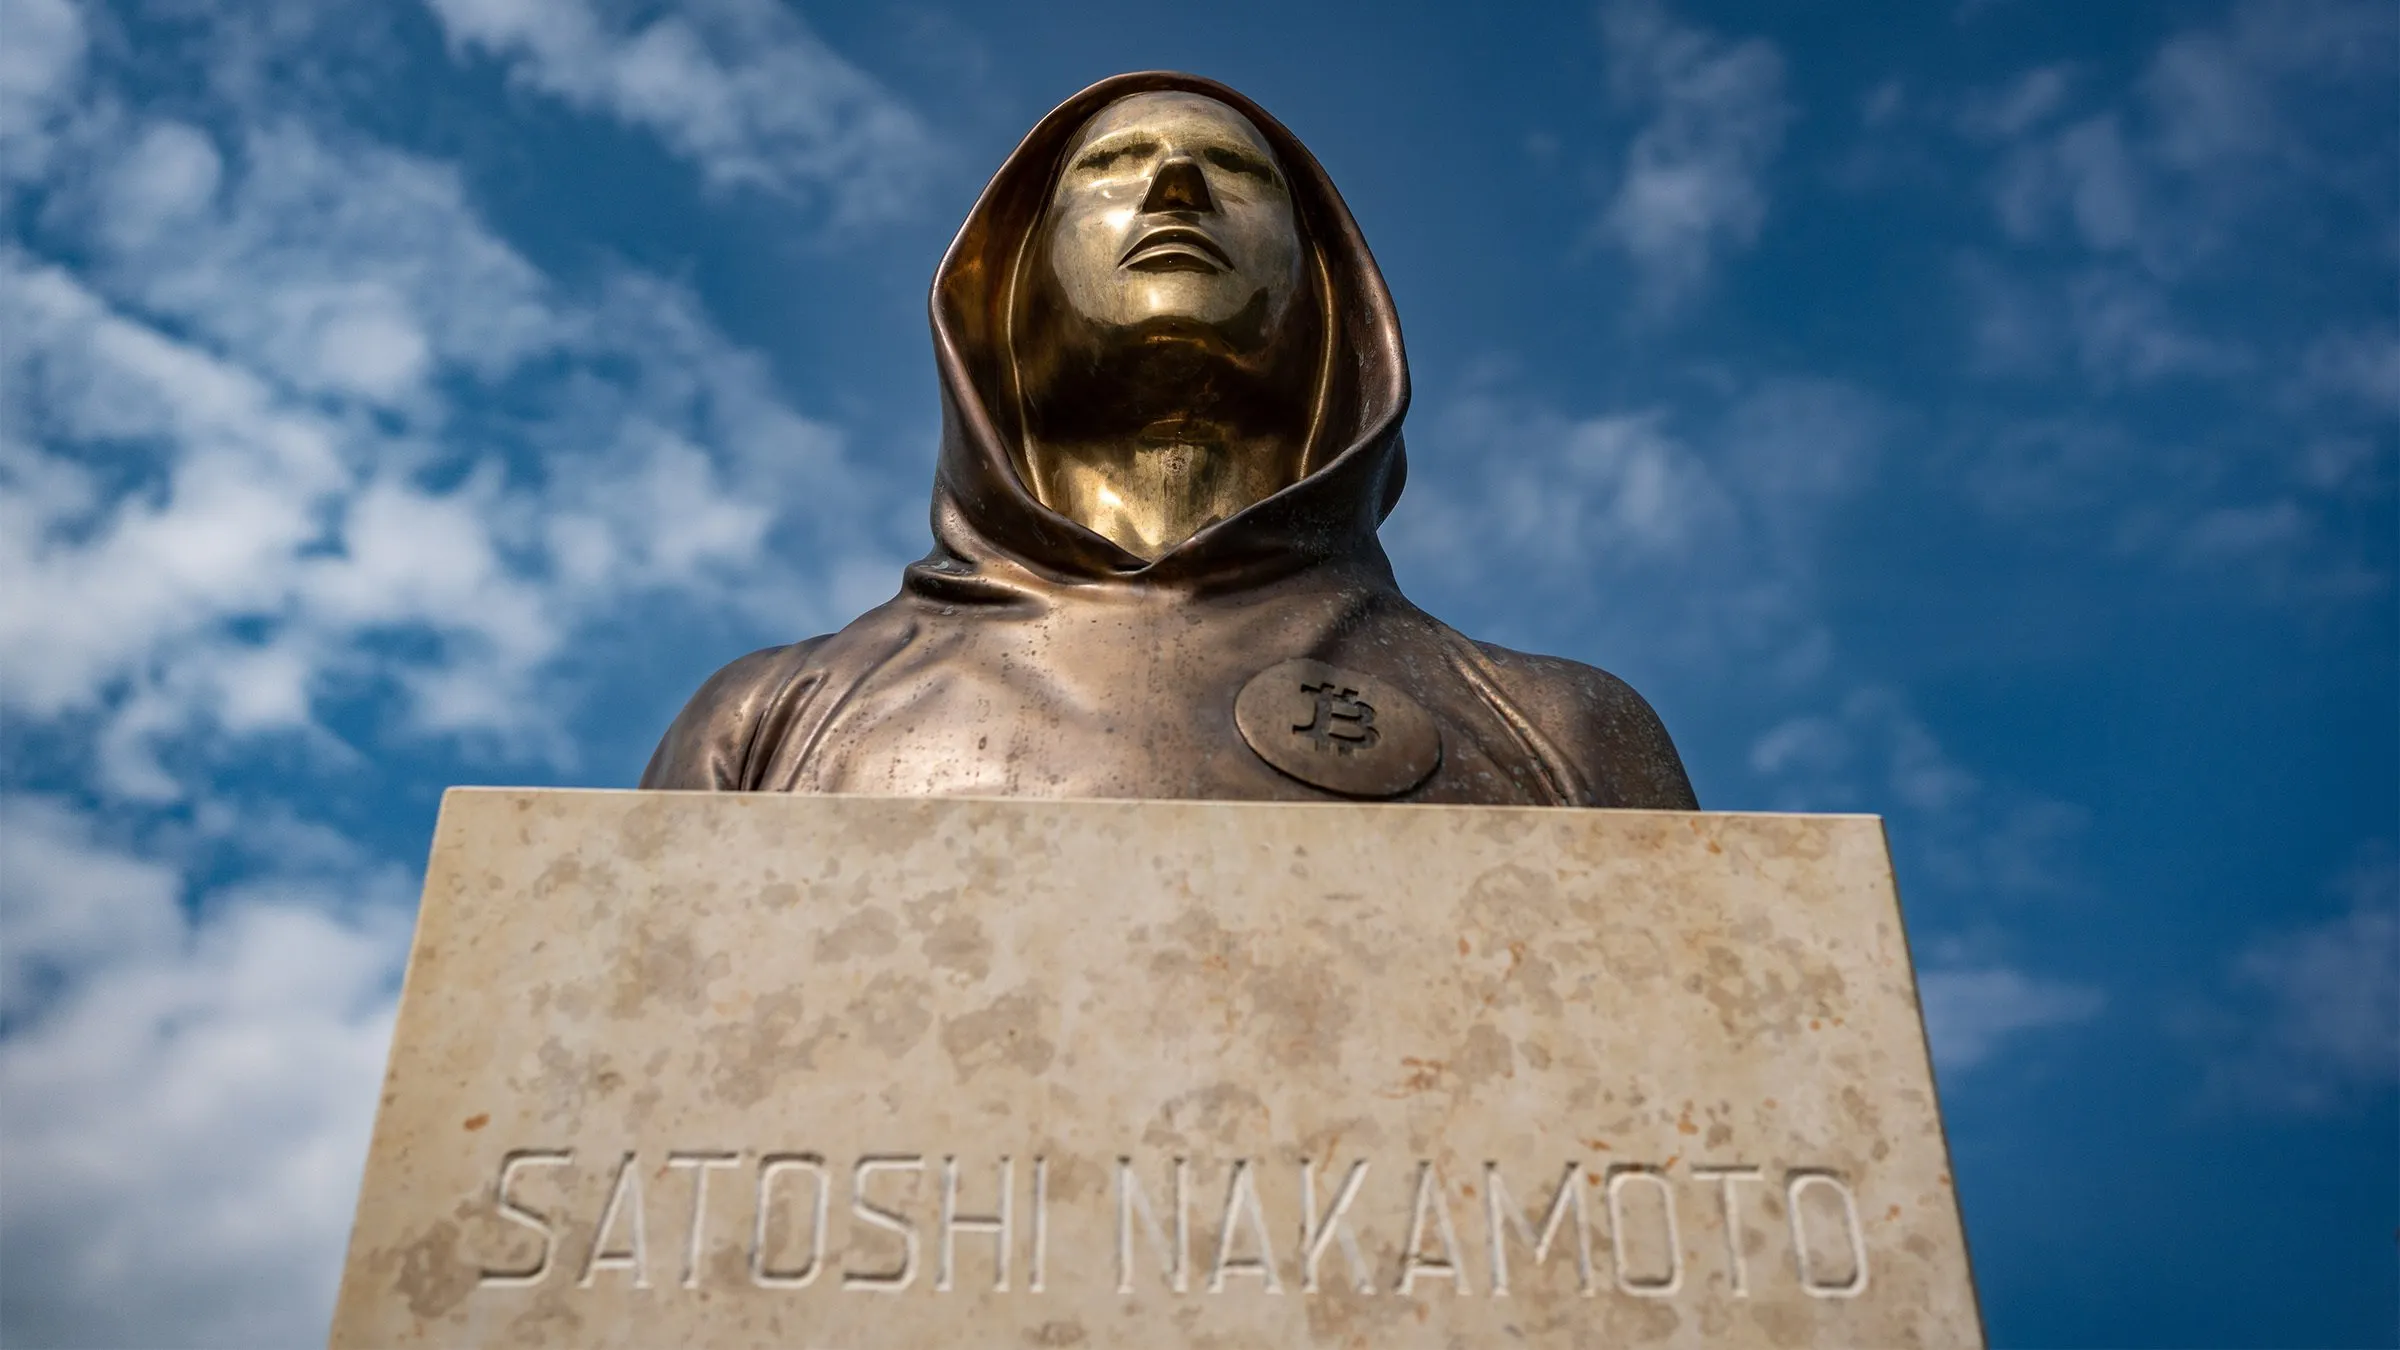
[1166, 336]
[1172, 389]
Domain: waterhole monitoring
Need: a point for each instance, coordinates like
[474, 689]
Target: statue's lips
[1175, 248]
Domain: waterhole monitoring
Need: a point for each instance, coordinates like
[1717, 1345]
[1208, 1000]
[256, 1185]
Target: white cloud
[2312, 1022]
[91, 587]
[741, 88]
[1620, 521]
[2359, 364]
[1971, 1014]
[2239, 91]
[1817, 747]
[1886, 101]
[2017, 107]
[67, 901]
[39, 63]
[2122, 330]
[1692, 187]
[1798, 447]
[2225, 123]
[1873, 753]
[331, 265]
[166, 178]
[254, 464]
[187, 1120]
[2115, 324]
[268, 349]
[2243, 532]
[2084, 174]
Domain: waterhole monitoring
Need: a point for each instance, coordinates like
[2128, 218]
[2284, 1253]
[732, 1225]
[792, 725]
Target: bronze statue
[1172, 387]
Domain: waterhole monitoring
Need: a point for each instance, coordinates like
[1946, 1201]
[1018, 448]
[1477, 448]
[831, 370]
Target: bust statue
[1172, 388]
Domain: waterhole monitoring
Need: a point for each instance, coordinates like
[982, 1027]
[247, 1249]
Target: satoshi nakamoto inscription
[878, 1074]
[896, 1222]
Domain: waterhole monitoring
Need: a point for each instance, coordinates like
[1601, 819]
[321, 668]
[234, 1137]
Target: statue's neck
[1151, 491]
[1147, 441]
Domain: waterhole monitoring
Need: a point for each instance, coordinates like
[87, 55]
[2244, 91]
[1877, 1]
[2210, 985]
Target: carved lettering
[623, 1197]
[1620, 1179]
[954, 1223]
[770, 1167]
[1241, 1206]
[1175, 1262]
[700, 1165]
[1317, 1230]
[792, 1243]
[899, 1278]
[1726, 1177]
[1797, 1185]
[1430, 1198]
[1041, 1223]
[524, 1216]
[1501, 1215]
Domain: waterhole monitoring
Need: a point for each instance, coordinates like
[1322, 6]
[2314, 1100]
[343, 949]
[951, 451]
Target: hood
[982, 511]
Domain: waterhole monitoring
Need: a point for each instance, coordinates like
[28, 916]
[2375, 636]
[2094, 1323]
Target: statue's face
[1171, 207]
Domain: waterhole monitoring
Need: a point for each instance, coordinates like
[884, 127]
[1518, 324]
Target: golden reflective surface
[1160, 313]
[1166, 333]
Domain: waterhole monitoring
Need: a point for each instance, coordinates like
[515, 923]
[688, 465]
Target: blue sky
[1982, 414]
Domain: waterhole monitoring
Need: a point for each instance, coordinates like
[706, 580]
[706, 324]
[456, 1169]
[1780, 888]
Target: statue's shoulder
[1609, 731]
[708, 746]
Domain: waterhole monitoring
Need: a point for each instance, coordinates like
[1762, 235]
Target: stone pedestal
[879, 1074]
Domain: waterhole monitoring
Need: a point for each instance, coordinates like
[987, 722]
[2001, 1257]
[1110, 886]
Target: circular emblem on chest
[1337, 729]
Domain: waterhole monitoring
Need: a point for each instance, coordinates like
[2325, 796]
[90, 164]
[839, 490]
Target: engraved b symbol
[1341, 721]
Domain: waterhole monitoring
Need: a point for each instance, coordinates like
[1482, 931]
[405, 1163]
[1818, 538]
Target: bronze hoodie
[1029, 656]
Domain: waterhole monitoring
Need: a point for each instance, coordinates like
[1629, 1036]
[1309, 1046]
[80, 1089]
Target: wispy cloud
[291, 437]
[741, 88]
[38, 66]
[1692, 187]
[277, 346]
[2019, 106]
[1872, 752]
[2226, 119]
[1988, 843]
[1691, 536]
[1970, 1015]
[187, 1110]
[2310, 1021]
[2132, 215]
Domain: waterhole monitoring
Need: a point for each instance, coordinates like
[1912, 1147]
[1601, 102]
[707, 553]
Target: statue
[1172, 388]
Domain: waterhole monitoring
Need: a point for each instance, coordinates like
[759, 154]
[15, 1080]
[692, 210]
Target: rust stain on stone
[890, 1014]
[958, 943]
[432, 1278]
[1221, 1113]
[745, 1058]
[1486, 1055]
[663, 966]
[869, 932]
[1006, 1033]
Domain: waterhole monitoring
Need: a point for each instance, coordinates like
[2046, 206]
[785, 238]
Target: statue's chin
[1208, 300]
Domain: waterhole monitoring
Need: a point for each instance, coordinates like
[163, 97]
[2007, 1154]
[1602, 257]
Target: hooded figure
[1172, 387]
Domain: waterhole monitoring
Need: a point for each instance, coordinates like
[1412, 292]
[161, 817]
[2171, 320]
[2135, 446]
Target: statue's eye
[1243, 163]
[1106, 155]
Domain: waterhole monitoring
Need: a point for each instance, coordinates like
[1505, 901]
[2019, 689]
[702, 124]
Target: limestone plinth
[850, 1073]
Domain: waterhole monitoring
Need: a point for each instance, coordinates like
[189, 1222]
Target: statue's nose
[1179, 185]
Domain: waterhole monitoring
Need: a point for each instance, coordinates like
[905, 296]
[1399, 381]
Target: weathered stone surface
[1439, 1076]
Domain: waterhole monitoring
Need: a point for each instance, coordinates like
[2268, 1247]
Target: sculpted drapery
[1172, 390]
